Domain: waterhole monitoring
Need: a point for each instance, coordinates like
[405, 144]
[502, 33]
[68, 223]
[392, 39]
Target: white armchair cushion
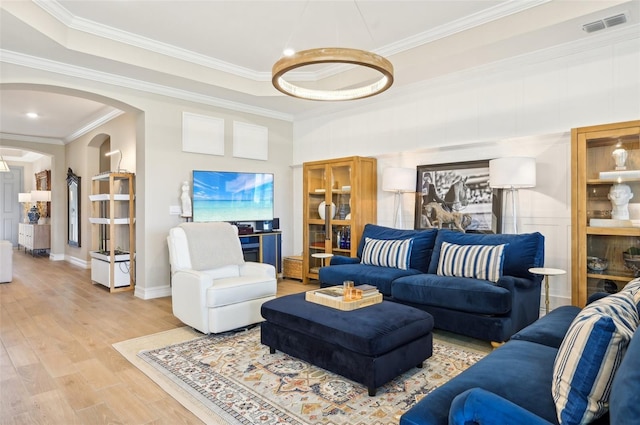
[239, 289]
[223, 272]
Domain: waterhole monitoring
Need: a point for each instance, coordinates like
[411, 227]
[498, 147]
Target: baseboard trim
[56, 257]
[78, 262]
[150, 293]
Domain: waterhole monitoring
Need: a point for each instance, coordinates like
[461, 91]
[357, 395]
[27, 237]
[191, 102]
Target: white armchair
[213, 289]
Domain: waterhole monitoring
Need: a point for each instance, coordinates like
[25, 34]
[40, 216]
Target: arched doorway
[90, 163]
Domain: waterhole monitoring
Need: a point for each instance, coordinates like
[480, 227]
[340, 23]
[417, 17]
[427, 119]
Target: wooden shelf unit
[113, 231]
[351, 185]
[591, 149]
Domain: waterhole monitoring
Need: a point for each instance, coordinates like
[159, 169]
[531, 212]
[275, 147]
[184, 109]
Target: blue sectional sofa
[476, 307]
[513, 384]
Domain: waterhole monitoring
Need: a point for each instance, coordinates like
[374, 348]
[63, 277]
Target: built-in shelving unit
[113, 231]
[595, 234]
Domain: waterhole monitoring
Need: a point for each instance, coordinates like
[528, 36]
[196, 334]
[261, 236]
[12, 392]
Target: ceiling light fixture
[32, 115]
[332, 55]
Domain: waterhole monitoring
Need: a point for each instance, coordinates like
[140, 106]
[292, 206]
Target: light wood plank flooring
[57, 365]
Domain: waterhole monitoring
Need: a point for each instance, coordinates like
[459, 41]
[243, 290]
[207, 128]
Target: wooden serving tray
[339, 303]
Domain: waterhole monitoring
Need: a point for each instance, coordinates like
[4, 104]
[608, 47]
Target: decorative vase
[33, 215]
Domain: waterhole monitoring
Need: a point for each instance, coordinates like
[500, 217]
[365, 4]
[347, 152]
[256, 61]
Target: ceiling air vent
[615, 20]
[593, 26]
[611, 21]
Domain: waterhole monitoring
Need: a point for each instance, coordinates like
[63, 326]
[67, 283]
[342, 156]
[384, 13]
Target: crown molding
[494, 13]
[93, 125]
[33, 139]
[444, 82]
[60, 13]
[47, 65]
[463, 24]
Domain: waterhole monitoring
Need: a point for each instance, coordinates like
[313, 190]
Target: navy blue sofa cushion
[381, 277]
[551, 328]
[455, 293]
[500, 372]
[371, 331]
[624, 402]
[522, 252]
[423, 241]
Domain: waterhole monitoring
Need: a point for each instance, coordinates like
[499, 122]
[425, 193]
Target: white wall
[521, 107]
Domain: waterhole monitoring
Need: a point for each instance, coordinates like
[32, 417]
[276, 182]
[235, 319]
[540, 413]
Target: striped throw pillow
[475, 261]
[387, 253]
[589, 356]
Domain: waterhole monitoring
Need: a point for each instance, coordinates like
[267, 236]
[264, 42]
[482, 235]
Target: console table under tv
[263, 247]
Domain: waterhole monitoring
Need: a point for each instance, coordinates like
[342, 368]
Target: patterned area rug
[236, 380]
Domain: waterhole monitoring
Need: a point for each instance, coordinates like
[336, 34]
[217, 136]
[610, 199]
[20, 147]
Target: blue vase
[33, 215]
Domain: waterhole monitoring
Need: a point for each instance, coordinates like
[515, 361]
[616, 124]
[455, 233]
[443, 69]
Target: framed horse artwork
[457, 196]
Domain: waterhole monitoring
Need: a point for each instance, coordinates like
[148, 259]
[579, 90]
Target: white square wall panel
[202, 134]
[250, 141]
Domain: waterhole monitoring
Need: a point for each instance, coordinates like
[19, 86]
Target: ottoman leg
[372, 391]
[272, 350]
[419, 365]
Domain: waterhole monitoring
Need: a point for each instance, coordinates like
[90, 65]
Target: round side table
[323, 256]
[546, 272]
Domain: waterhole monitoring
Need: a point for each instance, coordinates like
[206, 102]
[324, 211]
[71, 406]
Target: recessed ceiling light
[288, 52]
[32, 115]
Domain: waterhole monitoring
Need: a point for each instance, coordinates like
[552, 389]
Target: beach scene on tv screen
[231, 196]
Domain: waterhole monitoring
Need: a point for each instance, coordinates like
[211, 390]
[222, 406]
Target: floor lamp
[512, 173]
[398, 180]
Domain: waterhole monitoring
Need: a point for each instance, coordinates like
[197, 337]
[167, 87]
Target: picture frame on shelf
[459, 193]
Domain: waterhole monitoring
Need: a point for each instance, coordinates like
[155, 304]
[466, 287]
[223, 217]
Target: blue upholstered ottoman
[370, 345]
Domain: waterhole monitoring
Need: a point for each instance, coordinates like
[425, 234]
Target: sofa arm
[481, 407]
[188, 298]
[512, 282]
[251, 268]
[525, 301]
[341, 259]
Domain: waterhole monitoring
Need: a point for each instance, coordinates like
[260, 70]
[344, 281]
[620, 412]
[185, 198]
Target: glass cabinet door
[341, 202]
[606, 209]
[607, 245]
[317, 237]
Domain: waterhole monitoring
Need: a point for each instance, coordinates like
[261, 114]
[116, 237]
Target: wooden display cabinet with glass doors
[594, 233]
[339, 198]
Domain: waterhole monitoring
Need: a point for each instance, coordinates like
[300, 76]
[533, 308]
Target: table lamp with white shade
[512, 173]
[39, 196]
[398, 180]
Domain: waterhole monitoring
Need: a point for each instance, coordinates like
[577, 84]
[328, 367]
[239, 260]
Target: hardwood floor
[57, 365]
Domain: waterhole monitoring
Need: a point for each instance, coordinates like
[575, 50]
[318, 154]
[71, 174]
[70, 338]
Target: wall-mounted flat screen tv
[232, 196]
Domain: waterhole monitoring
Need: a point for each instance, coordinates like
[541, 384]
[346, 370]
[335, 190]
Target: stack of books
[334, 297]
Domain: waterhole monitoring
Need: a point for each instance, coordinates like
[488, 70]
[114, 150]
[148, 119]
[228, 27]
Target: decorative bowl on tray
[632, 260]
[597, 264]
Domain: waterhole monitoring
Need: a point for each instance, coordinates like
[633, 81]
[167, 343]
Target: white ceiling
[221, 52]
